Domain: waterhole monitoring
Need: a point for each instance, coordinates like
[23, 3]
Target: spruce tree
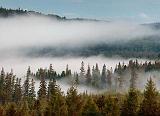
[104, 77]
[74, 102]
[17, 94]
[112, 106]
[109, 79]
[26, 87]
[42, 92]
[90, 108]
[57, 104]
[150, 105]
[130, 106]
[32, 92]
[82, 70]
[88, 76]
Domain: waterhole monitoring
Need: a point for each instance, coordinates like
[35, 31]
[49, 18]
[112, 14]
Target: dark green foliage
[150, 105]
[18, 100]
[42, 92]
[90, 108]
[74, 102]
[130, 106]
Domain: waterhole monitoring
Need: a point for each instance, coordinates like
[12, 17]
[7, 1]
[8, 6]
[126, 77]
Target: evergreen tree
[68, 72]
[120, 76]
[26, 87]
[101, 104]
[131, 104]
[104, 77]
[90, 108]
[82, 70]
[28, 72]
[42, 92]
[11, 109]
[57, 104]
[112, 106]
[109, 79]
[96, 76]
[88, 76]
[17, 94]
[150, 105]
[23, 110]
[32, 92]
[2, 84]
[134, 76]
[8, 88]
[74, 102]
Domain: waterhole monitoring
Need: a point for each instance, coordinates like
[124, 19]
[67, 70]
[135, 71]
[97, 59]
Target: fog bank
[25, 31]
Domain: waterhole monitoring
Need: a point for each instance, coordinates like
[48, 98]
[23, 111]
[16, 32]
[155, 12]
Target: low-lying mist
[20, 65]
[37, 32]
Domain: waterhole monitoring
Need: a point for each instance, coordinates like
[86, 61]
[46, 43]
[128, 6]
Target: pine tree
[74, 102]
[131, 104]
[120, 77]
[32, 93]
[57, 104]
[52, 88]
[112, 106]
[2, 84]
[24, 109]
[88, 76]
[68, 72]
[26, 87]
[90, 108]
[109, 79]
[51, 72]
[101, 103]
[104, 77]
[28, 72]
[150, 105]
[17, 94]
[42, 92]
[82, 70]
[76, 78]
[96, 76]
[134, 76]
[8, 88]
[11, 109]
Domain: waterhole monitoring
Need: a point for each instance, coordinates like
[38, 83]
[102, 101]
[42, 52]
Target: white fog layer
[32, 31]
[24, 31]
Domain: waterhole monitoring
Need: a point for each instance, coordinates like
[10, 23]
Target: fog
[25, 31]
[20, 65]
[33, 31]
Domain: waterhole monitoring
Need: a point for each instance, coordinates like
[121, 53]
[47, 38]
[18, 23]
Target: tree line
[19, 98]
[112, 79]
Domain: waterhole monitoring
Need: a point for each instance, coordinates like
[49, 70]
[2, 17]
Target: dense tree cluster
[124, 75]
[19, 98]
[4, 12]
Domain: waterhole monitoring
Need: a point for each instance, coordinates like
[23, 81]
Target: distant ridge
[4, 12]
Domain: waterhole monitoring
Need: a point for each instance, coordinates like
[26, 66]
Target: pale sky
[142, 11]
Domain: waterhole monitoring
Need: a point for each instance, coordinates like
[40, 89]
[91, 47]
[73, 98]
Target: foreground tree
[150, 105]
[90, 108]
[42, 92]
[131, 104]
[74, 102]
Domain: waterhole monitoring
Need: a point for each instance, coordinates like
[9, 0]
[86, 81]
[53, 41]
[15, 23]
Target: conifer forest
[104, 64]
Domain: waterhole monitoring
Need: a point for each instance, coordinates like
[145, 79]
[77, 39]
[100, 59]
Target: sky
[142, 11]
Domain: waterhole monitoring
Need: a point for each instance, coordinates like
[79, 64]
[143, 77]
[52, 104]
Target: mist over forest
[54, 66]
